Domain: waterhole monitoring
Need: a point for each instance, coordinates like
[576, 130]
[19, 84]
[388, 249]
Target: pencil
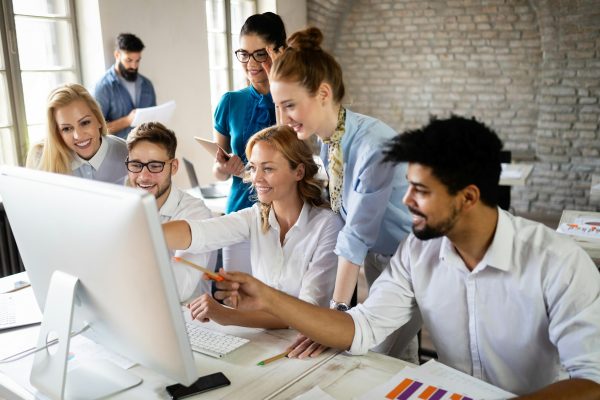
[211, 275]
[274, 358]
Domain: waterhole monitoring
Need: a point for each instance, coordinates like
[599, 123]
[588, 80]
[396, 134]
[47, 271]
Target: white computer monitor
[107, 243]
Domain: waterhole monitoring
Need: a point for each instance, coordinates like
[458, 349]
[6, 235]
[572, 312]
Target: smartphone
[203, 384]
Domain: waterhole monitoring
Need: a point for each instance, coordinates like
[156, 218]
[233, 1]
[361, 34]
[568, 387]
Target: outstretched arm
[328, 327]
[177, 234]
[581, 389]
[205, 308]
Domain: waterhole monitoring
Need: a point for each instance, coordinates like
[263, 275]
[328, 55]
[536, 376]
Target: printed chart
[412, 389]
[435, 381]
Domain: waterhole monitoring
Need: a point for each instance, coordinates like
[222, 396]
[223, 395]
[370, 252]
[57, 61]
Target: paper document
[19, 308]
[316, 393]
[509, 172]
[435, 381]
[161, 113]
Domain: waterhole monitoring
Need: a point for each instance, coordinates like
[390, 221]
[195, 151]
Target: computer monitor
[95, 252]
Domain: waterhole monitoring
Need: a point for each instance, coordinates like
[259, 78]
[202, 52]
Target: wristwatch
[334, 305]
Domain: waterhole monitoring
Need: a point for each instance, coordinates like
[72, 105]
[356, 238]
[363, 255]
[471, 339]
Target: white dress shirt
[180, 205]
[526, 316]
[304, 266]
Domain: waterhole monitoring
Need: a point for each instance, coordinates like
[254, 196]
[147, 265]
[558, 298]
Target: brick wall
[529, 69]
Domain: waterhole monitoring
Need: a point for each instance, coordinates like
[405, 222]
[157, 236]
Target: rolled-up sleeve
[365, 204]
[391, 304]
[573, 298]
[319, 280]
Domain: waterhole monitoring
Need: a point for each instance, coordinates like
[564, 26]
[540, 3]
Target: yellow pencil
[211, 275]
[274, 358]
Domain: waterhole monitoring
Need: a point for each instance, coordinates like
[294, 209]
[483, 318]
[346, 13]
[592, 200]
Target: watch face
[342, 307]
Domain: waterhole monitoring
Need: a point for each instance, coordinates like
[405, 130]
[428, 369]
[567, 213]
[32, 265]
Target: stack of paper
[435, 381]
[584, 228]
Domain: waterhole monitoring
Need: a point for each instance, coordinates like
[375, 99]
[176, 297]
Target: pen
[211, 275]
[274, 358]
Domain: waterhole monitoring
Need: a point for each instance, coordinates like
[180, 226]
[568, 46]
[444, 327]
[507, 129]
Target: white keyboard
[211, 343]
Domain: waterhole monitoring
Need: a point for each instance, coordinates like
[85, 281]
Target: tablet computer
[210, 146]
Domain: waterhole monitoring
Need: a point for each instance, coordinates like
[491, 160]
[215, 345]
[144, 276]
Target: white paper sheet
[161, 113]
[19, 308]
[441, 377]
[315, 393]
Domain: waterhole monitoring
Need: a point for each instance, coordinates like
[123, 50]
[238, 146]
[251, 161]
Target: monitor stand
[91, 380]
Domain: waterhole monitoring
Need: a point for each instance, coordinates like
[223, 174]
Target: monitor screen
[110, 238]
[191, 172]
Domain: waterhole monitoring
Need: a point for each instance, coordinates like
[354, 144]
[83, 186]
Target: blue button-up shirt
[376, 219]
[115, 101]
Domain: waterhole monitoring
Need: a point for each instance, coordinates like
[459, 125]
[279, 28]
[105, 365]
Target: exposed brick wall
[529, 69]
[567, 132]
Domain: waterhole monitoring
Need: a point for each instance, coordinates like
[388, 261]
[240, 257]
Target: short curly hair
[459, 151]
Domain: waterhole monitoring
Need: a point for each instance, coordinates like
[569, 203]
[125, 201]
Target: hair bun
[307, 39]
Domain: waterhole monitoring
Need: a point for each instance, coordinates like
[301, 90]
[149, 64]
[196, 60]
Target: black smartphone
[203, 384]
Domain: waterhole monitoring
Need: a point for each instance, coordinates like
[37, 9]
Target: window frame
[231, 60]
[8, 37]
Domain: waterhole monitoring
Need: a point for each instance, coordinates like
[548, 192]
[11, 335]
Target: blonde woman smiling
[292, 232]
[77, 142]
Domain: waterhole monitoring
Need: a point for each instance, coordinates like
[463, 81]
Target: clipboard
[210, 146]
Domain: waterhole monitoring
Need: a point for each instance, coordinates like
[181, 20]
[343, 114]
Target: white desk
[340, 375]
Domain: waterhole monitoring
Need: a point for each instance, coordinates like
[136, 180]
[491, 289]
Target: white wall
[175, 58]
[293, 13]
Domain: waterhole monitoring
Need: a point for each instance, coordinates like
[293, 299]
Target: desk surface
[338, 374]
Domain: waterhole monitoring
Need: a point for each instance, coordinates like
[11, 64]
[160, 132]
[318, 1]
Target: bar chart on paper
[409, 389]
[435, 381]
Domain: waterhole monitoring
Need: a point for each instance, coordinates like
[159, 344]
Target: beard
[439, 230]
[127, 74]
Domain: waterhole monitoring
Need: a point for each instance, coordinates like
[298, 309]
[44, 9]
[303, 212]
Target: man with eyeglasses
[122, 89]
[151, 164]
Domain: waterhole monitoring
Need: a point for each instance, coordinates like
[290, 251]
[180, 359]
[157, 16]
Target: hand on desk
[304, 347]
[205, 308]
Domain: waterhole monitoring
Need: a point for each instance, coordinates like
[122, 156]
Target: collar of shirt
[95, 161]
[169, 208]
[301, 222]
[498, 255]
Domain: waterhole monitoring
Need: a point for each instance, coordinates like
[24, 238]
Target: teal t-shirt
[239, 115]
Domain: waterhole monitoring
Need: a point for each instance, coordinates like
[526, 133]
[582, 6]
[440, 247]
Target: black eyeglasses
[260, 55]
[153, 166]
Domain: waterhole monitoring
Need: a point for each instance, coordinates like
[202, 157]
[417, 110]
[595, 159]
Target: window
[38, 53]
[224, 21]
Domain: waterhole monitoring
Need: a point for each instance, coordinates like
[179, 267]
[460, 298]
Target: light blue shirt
[116, 102]
[375, 217]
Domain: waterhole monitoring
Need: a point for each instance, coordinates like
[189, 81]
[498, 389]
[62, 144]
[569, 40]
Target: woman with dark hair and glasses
[242, 113]
[77, 142]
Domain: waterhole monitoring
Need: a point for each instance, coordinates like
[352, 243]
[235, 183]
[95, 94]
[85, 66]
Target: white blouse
[304, 266]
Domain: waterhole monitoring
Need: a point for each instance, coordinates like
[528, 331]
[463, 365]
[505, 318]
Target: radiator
[10, 260]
